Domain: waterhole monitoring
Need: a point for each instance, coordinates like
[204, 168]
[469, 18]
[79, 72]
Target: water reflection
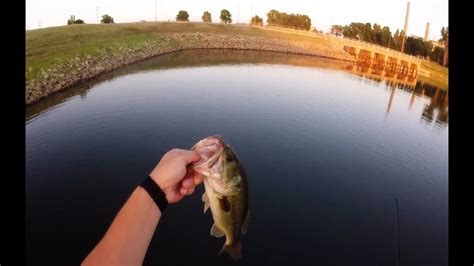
[393, 76]
[437, 107]
[397, 78]
[321, 126]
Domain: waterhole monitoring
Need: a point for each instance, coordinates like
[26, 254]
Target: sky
[323, 14]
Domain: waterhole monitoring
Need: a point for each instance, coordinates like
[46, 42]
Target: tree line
[225, 16]
[356, 30]
[383, 36]
[106, 19]
[282, 19]
[274, 18]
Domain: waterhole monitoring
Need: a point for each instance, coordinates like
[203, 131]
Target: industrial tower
[405, 28]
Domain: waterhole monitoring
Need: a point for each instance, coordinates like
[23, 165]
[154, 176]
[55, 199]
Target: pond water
[327, 150]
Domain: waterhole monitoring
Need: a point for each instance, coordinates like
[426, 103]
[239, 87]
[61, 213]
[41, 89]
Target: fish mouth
[212, 151]
[209, 149]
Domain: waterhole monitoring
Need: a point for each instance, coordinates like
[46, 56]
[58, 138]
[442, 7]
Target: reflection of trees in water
[212, 57]
[189, 58]
[437, 109]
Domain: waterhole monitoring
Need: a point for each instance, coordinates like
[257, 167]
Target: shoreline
[99, 55]
[88, 68]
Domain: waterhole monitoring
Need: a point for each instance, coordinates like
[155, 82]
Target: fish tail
[235, 251]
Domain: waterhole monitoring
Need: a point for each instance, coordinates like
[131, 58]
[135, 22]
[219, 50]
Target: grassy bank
[437, 73]
[60, 57]
[48, 47]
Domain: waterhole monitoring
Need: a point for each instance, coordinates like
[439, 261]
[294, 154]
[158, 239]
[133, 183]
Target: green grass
[46, 48]
[438, 74]
[435, 69]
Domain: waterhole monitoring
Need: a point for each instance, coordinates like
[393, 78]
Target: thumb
[191, 156]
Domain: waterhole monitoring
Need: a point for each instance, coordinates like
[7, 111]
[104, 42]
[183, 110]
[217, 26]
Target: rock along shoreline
[78, 70]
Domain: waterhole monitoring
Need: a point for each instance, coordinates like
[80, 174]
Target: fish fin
[245, 225]
[234, 251]
[215, 231]
[206, 202]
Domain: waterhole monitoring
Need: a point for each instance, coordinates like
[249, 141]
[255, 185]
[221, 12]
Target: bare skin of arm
[127, 239]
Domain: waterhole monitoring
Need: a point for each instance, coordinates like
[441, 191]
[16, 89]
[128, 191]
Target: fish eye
[229, 158]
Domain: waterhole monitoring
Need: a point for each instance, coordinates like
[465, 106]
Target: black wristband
[155, 193]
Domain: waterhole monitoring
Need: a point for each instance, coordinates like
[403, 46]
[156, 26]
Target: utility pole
[97, 13]
[155, 10]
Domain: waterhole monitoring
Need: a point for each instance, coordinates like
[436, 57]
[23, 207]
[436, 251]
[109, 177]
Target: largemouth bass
[225, 193]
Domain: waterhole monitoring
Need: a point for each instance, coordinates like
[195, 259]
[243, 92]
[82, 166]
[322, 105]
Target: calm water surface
[326, 152]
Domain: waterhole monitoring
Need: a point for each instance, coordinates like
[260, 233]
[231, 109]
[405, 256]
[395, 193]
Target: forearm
[127, 239]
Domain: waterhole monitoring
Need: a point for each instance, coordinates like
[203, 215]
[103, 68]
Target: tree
[272, 17]
[349, 32]
[355, 30]
[437, 55]
[386, 37]
[445, 40]
[377, 34]
[337, 30]
[398, 39]
[182, 16]
[73, 20]
[305, 22]
[446, 53]
[206, 17]
[367, 33]
[226, 17]
[416, 46]
[256, 20]
[106, 19]
[444, 35]
[298, 21]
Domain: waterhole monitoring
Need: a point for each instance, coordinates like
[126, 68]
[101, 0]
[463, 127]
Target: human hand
[172, 175]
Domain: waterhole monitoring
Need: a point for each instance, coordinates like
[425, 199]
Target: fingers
[186, 192]
[187, 183]
[198, 178]
[190, 156]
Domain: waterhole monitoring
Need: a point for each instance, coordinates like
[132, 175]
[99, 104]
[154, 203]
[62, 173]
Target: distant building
[436, 44]
[416, 37]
